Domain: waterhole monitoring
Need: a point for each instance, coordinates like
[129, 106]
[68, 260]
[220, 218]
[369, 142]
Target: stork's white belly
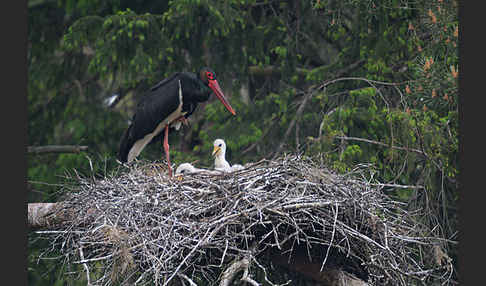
[141, 143]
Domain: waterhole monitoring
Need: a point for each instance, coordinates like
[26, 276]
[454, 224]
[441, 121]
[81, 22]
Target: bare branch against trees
[381, 144]
[297, 116]
[308, 95]
[270, 70]
[293, 214]
[56, 149]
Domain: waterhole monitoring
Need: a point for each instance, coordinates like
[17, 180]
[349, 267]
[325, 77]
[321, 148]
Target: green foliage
[110, 36]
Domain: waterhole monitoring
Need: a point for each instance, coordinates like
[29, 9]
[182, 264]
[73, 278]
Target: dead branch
[44, 215]
[381, 144]
[307, 96]
[237, 266]
[189, 280]
[232, 270]
[292, 123]
[56, 149]
[271, 71]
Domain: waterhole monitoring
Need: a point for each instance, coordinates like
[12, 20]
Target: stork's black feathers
[158, 104]
[164, 81]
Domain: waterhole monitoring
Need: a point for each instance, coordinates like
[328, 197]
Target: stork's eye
[220, 145]
[210, 75]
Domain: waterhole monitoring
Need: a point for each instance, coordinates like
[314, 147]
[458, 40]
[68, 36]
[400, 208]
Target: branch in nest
[50, 215]
[81, 255]
[206, 236]
[237, 266]
[189, 280]
[44, 215]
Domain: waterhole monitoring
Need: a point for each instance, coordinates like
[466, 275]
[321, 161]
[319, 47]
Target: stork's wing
[155, 107]
[164, 81]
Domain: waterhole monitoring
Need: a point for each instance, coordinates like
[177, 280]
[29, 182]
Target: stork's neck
[203, 92]
[195, 89]
[220, 161]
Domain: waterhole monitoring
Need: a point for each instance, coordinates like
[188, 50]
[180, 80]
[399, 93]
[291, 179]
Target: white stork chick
[219, 153]
[220, 162]
[187, 168]
[237, 167]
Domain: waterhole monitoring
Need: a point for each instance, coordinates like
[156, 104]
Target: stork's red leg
[166, 148]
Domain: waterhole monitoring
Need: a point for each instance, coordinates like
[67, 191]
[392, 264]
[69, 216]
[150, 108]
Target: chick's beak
[216, 150]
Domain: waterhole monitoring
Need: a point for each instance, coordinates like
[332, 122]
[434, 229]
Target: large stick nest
[139, 226]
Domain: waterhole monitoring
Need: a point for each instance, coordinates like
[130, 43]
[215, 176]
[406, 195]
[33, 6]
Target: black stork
[168, 104]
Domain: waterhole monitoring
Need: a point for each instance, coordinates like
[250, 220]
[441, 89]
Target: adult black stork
[168, 103]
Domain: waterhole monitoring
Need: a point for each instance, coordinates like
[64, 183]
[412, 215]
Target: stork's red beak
[213, 84]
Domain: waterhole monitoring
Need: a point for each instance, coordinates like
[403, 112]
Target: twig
[81, 255]
[381, 144]
[246, 277]
[398, 186]
[230, 272]
[187, 279]
[292, 123]
[83, 261]
[274, 120]
[323, 85]
[187, 257]
[266, 276]
[332, 238]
